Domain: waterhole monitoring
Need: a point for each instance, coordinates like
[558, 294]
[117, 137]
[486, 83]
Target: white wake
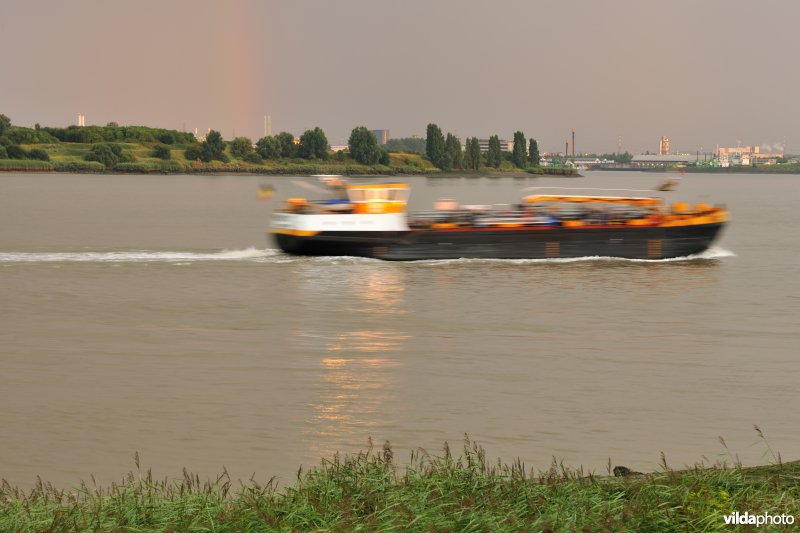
[136, 256]
[276, 256]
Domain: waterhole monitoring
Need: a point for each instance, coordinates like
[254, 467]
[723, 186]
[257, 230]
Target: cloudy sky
[619, 71]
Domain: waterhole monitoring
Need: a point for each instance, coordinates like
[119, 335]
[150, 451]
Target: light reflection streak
[358, 367]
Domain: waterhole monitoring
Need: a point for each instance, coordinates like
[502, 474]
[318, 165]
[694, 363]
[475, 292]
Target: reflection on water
[357, 367]
[368, 342]
[382, 289]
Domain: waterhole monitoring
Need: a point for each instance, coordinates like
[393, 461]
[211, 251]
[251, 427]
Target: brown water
[149, 314]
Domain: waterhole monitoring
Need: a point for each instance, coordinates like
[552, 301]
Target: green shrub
[78, 166]
[38, 153]
[254, 157]
[109, 154]
[137, 168]
[162, 151]
[15, 151]
[171, 167]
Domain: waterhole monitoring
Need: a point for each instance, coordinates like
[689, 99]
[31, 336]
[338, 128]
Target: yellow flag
[265, 192]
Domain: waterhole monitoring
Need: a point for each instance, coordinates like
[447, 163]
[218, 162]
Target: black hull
[628, 242]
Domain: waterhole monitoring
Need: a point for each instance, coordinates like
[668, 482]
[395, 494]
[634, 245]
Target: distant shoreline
[29, 166]
[758, 169]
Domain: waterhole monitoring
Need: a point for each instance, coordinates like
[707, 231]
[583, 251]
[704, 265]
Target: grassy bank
[370, 491]
[70, 157]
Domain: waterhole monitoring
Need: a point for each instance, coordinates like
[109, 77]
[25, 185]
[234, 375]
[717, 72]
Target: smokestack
[573, 144]
[566, 149]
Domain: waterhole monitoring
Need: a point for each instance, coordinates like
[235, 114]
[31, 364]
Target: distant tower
[566, 148]
[81, 119]
[663, 146]
[573, 144]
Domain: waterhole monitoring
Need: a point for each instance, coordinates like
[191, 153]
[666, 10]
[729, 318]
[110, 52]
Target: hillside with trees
[142, 149]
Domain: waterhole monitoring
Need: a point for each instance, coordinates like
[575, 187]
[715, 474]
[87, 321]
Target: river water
[149, 314]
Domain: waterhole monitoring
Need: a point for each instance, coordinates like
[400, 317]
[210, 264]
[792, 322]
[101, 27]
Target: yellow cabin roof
[637, 200]
[379, 186]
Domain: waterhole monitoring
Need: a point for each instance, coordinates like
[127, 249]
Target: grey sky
[702, 72]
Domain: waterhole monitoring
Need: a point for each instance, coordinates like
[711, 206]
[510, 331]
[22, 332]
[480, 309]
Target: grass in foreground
[370, 492]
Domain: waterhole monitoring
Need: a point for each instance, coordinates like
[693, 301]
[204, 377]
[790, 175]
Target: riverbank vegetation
[140, 149]
[461, 492]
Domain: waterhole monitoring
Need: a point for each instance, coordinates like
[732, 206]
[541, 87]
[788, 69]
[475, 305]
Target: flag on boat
[265, 192]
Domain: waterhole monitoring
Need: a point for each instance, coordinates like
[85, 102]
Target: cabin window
[356, 195]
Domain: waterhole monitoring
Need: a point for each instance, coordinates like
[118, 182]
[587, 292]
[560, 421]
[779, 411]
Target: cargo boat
[372, 221]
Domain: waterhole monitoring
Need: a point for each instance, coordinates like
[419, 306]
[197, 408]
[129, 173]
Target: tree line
[10, 140]
[443, 151]
[446, 153]
[312, 145]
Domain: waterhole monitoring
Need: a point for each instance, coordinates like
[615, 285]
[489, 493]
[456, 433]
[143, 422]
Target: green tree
[363, 146]
[625, 157]
[3, 152]
[5, 123]
[533, 152]
[162, 151]
[493, 156]
[214, 147]
[286, 140]
[434, 145]
[241, 146]
[473, 153]
[167, 137]
[452, 147]
[520, 154]
[269, 147]
[313, 144]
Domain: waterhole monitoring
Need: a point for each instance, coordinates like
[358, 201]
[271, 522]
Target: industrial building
[745, 155]
[660, 160]
[505, 146]
[382, 136]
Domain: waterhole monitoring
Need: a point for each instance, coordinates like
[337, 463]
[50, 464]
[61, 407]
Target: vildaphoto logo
[758, 520]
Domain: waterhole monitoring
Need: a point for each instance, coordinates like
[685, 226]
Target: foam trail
[135, 256]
